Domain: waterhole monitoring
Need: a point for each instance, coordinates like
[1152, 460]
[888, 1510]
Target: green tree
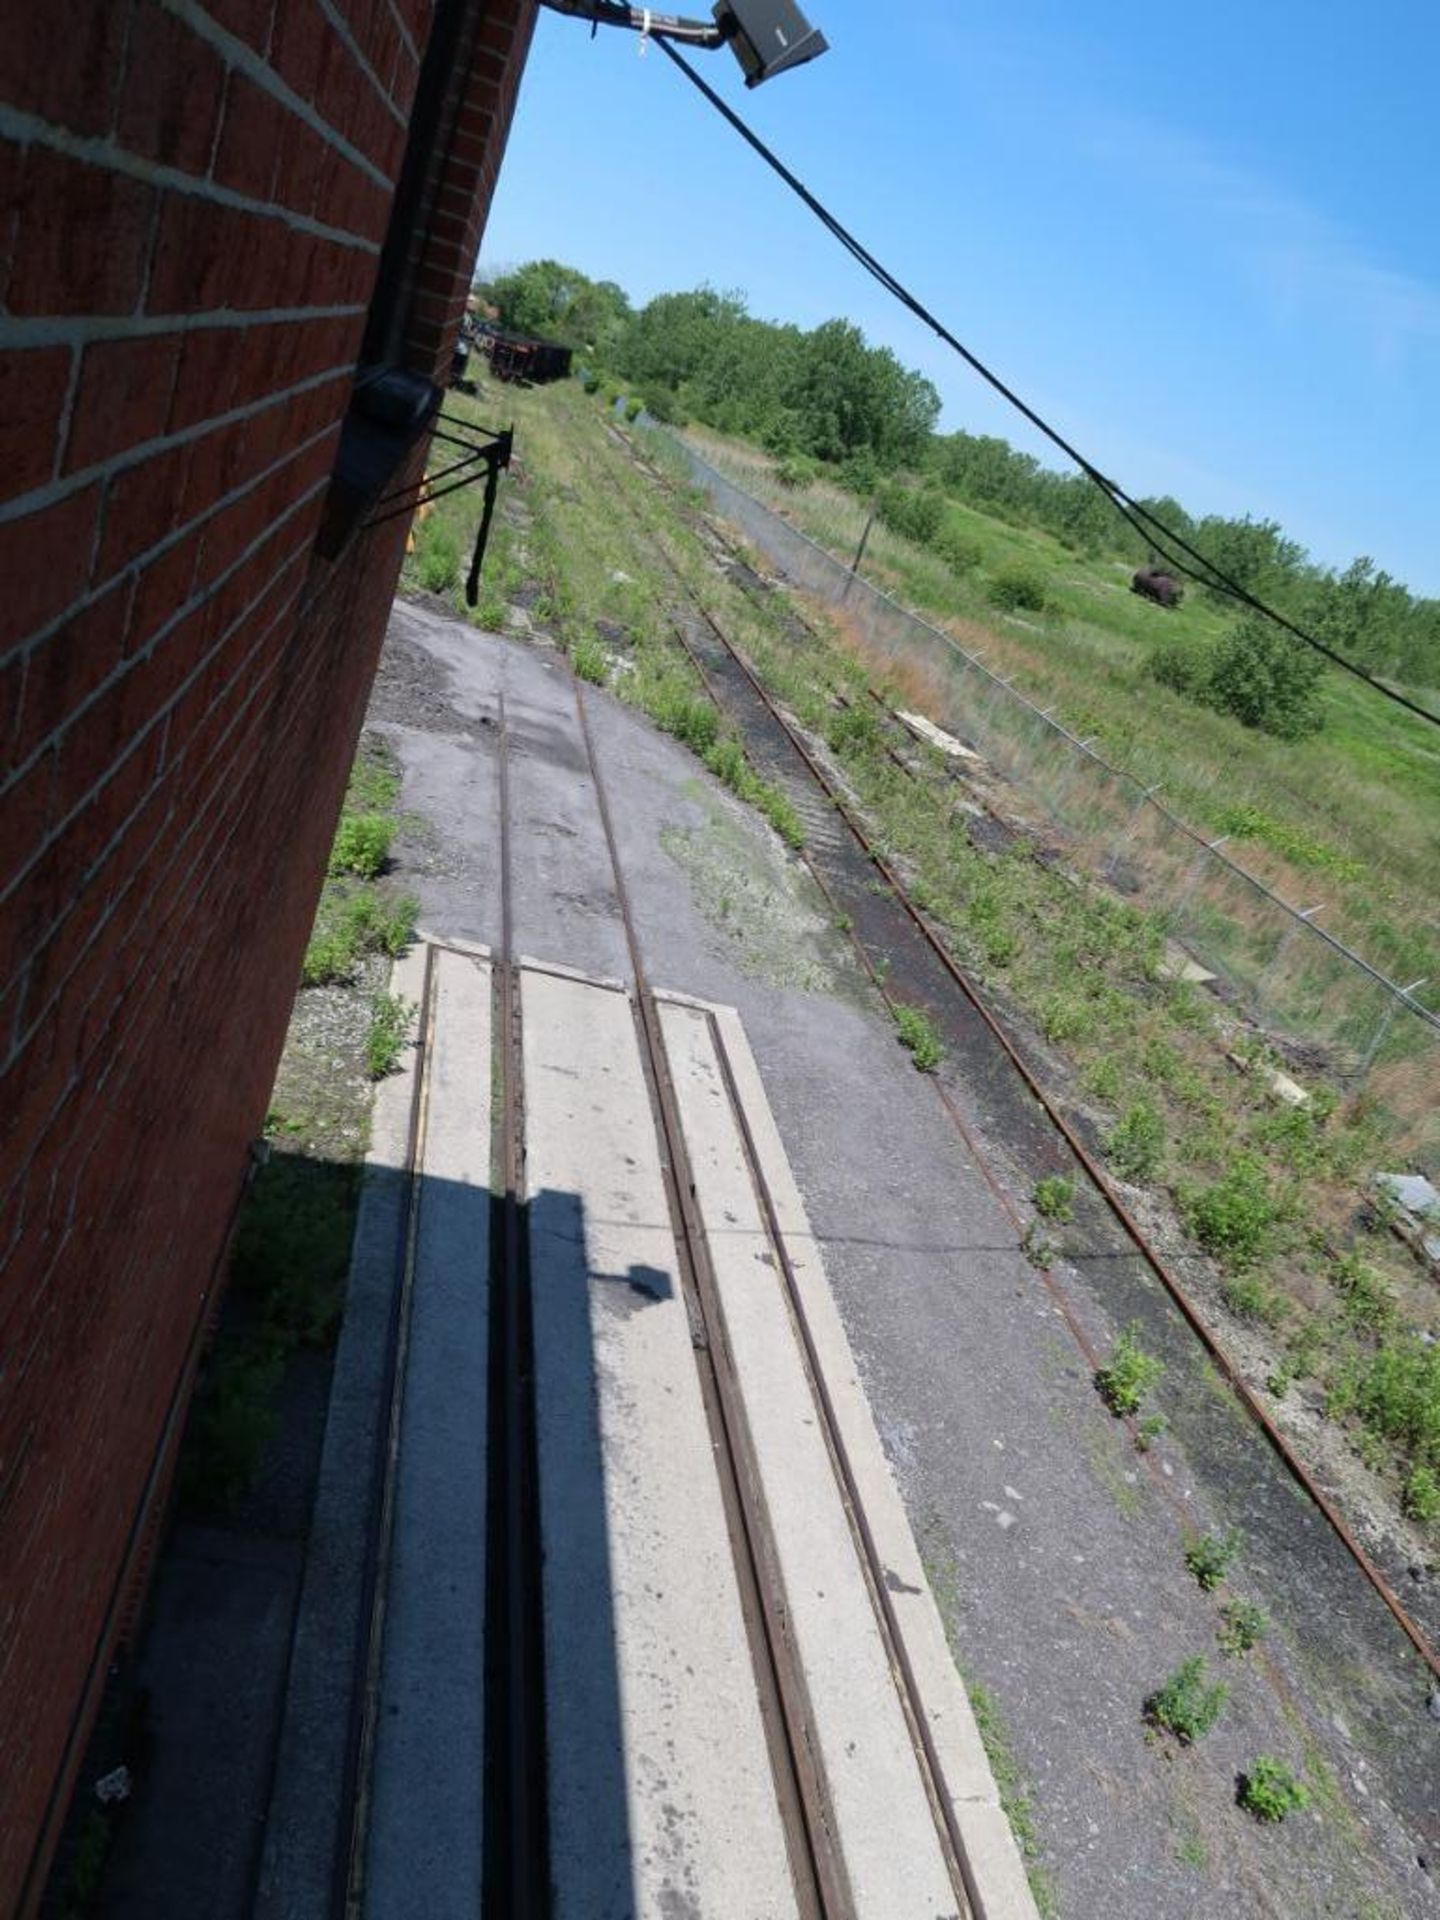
[1267, 679]
[560, 303]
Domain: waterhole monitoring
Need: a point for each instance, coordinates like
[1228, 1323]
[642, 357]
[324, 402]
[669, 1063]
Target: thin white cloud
[1303, 264]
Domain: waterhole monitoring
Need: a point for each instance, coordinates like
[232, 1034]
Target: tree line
[828, 396]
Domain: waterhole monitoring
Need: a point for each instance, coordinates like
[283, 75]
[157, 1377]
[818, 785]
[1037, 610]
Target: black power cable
[1169, 544]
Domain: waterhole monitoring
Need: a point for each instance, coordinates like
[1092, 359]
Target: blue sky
[1204, 241]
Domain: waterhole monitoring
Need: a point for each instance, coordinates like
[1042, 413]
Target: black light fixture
[767, 36]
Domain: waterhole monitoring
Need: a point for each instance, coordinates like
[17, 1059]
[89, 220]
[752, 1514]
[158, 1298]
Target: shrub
[437, 557]
[1184, 666]
[689, 716]
[1186, 1705]
[958, 550]
[1421, 1497]
[860, 474]
[1209, 1556]
[362, 845]
[1270, 1791]
[634, 407]
[590, 380]
[853, 729]
[1136, 1145]
[1397, 1393]
[1017, 586]
[1054, 1197]
[1368, 1299]
[1267, 680]
[918, 1034]
[916, 513]
[1130, 1375]
[1237, 1217]
[1249, 1298]
[795, 472]
[663, 404]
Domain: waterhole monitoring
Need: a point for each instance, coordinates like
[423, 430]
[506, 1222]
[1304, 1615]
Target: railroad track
[516, 1757]
[911, 964]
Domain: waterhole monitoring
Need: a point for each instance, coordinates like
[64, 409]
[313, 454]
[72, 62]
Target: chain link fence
[1269, 958]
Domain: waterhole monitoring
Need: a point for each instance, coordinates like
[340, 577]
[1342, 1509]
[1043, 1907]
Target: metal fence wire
[1270, 959]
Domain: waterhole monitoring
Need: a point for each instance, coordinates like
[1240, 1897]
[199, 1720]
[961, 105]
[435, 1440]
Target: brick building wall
[194, 201]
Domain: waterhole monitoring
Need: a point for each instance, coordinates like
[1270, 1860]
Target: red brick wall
[192, 202]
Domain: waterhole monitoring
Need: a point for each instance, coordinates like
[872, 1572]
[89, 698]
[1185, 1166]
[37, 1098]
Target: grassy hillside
[1349, 818]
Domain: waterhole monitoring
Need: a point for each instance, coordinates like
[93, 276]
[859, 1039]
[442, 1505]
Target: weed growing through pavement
[1188, 1705]
[1270, 1791]
[1130, 1375]
[1244, 1625]
[390, 1018]
[918, 1033]
[1152, 1428]
[1054, 1197]
[1209, 1556]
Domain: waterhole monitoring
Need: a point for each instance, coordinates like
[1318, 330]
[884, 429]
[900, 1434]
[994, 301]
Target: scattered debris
[1180, 965]
[927, 730]
[1280, 1084]
[1418, 1217]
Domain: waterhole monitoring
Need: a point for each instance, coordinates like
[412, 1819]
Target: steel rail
[348, 1887]
[516, 1872]
[818, 1871]
[932, 1772]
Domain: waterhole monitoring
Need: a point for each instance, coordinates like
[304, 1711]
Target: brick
[142, 505]
[170, 101]
[208, 377]
[299, 165]
[298, 43]
[123, 398]
[202, 250]
[250, 136]
[33, 387]
[64, 669]
[161, 589]
[24, 817]
[248, 20]
[216, 465]
[83, 241]
[45, 563]
[62, 63]
[12, 183]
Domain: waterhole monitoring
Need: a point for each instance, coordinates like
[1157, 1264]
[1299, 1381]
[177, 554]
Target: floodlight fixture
[766, 36]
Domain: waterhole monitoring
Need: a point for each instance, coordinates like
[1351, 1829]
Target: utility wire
[1164, 539]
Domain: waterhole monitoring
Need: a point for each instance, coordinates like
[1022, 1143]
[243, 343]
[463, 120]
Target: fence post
[860, 550]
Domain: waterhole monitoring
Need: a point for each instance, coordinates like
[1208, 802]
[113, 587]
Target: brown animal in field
[1153, 583]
